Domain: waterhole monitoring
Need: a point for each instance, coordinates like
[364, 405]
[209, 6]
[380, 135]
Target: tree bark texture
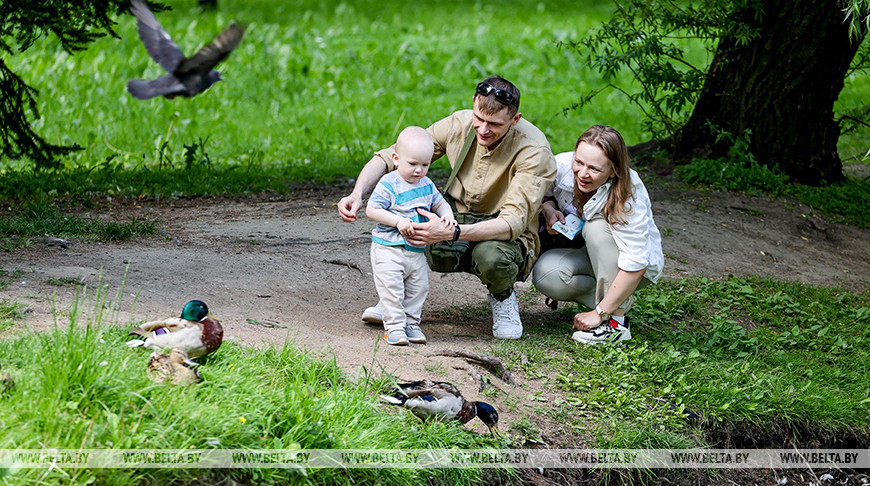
[782, 86]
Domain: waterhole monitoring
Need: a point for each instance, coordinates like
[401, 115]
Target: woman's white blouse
[638, 240]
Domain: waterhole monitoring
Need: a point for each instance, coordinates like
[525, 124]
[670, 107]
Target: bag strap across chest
[462, 155]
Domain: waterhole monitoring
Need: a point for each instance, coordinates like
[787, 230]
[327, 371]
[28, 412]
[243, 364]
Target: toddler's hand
[448, 222]
[405, 227]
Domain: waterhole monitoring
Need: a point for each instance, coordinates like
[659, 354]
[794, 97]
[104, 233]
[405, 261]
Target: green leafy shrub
[846, 201]
[737, 172]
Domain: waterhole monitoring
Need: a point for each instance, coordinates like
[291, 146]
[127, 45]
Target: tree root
[348, 264]
[264, 323]
[492, 364]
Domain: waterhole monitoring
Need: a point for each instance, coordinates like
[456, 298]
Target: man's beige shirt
[511, 179]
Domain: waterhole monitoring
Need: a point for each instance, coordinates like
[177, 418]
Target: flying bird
[195, 332]
[186, 76]
[433, 399]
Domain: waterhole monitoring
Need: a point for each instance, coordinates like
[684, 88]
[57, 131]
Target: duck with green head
[434, 399]
[195, 332]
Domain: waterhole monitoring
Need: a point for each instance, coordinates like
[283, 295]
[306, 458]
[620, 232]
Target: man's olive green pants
[498, 264]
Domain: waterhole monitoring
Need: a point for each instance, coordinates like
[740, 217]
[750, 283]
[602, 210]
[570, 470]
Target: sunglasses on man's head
[502, 96]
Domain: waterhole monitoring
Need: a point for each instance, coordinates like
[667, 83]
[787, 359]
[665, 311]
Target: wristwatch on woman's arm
[604, 315]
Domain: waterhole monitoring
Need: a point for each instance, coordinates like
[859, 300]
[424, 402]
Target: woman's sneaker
[396, 337]
[415, 334]
[610, 331]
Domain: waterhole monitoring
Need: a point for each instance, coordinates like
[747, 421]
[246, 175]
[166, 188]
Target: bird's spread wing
[162, 86]
[157, 41]
[212, 54]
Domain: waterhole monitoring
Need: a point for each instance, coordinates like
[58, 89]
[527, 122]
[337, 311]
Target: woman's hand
[587, 321]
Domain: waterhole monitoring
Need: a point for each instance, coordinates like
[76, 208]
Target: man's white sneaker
[506, 323]
[608, 332]
[373, 315]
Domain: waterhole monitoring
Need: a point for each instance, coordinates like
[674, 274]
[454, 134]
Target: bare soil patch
[286, 269]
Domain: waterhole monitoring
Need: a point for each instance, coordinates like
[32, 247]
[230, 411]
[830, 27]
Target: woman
[623, 246]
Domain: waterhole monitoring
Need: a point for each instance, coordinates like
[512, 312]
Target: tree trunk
[782, 86]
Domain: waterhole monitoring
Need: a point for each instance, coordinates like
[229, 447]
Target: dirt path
[290, 263]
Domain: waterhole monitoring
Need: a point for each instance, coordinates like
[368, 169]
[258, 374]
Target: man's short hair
[490, 105]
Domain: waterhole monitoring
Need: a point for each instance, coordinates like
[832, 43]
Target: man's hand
[586, 321]
[552, 216]
[347, 208]
[431, 231]
[368, 177]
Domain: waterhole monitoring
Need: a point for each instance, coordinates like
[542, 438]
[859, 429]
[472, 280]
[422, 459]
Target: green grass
[771, 360]
[80, 386]
[846, 201]
[10, 313]
[843, 202]
[311, 91]
[38, 218]
[760, 361]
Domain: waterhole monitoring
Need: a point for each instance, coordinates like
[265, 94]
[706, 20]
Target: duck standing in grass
[432, 399]
[175, 367]
[195, 332]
